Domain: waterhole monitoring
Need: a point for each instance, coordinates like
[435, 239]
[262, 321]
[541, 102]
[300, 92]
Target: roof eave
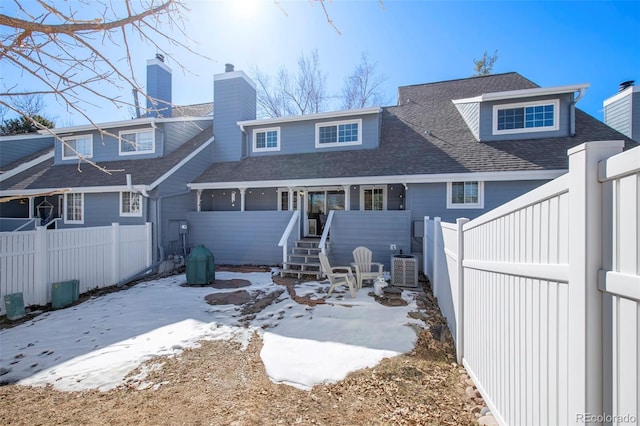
[523, 93]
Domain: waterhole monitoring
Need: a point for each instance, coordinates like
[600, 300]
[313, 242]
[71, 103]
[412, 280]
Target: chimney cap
[228, 68]
[625, 84]
[160, 57]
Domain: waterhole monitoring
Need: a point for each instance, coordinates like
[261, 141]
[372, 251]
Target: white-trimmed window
[465, 195]
[373, 197]
[130, 204]
[137, 142]
[283, 199]
[266, 139]
[339, 133]
[74, 207]
[526, 117]
[74, 146]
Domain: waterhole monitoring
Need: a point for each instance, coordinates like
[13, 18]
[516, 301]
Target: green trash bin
[64, 293]
[200, 266]
[14, 305]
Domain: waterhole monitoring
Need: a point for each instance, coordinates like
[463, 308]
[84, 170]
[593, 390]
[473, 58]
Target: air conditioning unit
[404, 270]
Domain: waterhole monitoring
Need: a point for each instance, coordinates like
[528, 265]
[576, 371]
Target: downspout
[130, 187]
[572, 112]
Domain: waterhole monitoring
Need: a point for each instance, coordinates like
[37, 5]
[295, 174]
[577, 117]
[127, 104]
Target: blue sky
[549, 42]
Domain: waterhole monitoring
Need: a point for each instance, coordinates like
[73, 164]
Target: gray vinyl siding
[430, 199]
[175, 210]
[300, 136]
[618, 115]
[486, 120]
[263, 199]
[177, 133]
[376, 230]
[234, 100]
[107, 148]
[177, 181]
[256, 199]
[471, 115]
[635, 116]
[159, 88]
[103, 209]
[15, 148]
[240, 238]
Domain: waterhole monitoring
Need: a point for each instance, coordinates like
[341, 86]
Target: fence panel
[620, 278]
[515, 306]
[134, 250]
[18, 257]
[98, 257]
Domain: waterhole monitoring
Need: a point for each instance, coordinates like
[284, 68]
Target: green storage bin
[14, 305]
[64, 293]
[201, 268]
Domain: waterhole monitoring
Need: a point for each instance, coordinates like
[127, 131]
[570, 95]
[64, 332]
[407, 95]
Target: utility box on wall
[64, 293]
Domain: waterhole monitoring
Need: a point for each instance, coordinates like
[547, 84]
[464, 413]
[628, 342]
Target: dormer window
[76, 146]
[526, 117]
[137, 142]
[266, 139]
[339, 133]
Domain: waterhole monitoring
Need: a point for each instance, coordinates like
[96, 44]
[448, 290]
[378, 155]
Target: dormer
[540, 112]
[328, 131]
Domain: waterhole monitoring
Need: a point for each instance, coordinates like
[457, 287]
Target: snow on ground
[95, 344]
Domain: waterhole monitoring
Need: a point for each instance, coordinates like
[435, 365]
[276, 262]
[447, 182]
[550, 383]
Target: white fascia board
[626, 92]
[523, 93]
[310, 117]
[182, 162]
[24, 166]
[399, 179]
[83, 189]
[147, 121]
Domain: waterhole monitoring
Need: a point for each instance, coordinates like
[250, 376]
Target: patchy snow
[95, 344]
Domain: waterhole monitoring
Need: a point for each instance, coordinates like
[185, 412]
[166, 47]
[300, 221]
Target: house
[136, 171]
[449, 149]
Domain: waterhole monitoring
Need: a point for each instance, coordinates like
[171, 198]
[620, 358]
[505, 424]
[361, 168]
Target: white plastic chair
[364, 267]
[338, 278]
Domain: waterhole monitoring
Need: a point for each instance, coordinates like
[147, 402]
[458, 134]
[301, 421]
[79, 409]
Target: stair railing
[325, 233]
[284, 241]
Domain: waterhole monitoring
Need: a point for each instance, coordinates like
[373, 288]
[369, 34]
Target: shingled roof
[143, 172]
[425, 134]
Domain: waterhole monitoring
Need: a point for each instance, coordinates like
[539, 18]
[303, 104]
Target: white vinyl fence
[30, 261]
[542, 294]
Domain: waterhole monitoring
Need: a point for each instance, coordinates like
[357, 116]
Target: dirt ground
[219, 383]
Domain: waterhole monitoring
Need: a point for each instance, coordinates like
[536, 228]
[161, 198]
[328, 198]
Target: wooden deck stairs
[303, 260]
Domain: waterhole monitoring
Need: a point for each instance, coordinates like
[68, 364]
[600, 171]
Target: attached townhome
[278, 191]
[135, 172]
[369, 176]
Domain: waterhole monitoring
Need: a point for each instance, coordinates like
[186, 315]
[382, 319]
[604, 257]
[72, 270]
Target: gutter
[572, 111]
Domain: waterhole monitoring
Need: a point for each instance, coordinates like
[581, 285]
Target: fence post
[115, 252]
[585, 370]
[425, 247]
[41, 259]
[436, 255]
[460, 302]
[149, 246]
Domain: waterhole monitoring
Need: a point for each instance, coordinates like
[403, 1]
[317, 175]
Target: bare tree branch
[363, 87]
